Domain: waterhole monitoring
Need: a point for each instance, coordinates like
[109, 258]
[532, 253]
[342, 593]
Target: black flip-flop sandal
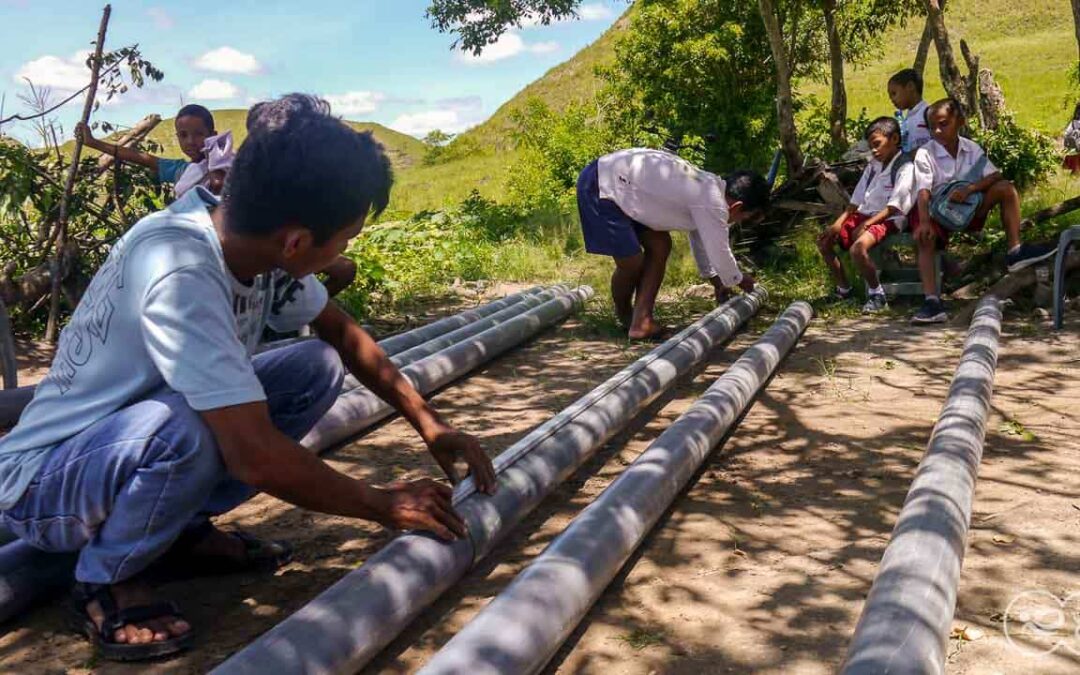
[260, 555]
[116, 618]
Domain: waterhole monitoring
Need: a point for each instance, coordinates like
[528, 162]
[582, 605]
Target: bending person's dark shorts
[606, 229]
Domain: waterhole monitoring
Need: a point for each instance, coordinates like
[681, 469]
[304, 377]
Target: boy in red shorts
[879, 205]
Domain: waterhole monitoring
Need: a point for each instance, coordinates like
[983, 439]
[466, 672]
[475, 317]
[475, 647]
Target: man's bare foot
[646, 329]
[218, 544]
[133, 593]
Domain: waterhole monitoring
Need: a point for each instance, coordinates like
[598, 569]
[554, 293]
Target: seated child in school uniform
[952, 160]
[906, 93]
[1071, 138]
[194, 124]
[879, 207]
[630, 201]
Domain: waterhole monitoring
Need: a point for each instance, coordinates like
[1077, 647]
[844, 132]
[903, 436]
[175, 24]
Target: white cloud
[214, 90]
[452, 115]
[509, 45]
[56, 72]
[595, 12]
[228, 60]
[161, 18]
[355, 102]
[543, 47]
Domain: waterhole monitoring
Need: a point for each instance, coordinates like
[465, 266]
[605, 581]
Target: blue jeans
[121, 491]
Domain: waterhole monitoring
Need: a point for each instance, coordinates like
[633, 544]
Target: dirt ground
[763, 565]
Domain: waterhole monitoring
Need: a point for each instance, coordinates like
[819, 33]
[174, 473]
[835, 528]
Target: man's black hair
[1076, 112]
[305, 168]
[886, 126]
[950, 105]
[748, 187]
[274, 114]
[196, 110]
[908, 76]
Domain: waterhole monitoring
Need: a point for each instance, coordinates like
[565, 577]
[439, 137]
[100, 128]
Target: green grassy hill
[1029, 46]
[404, 150]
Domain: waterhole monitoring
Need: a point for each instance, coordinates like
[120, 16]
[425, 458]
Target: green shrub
[1025, 156]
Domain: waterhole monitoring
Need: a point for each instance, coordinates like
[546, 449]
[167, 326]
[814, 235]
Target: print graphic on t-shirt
[89, 324]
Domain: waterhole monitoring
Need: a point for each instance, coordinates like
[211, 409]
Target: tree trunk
[951, 78]
[975, 108]
[923, 51]
[1076, 22]
[52, 327]
[785, 110]
[838, 111]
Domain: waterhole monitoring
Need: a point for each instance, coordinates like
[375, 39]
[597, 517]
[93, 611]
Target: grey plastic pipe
[51, 572]
[524, 626]
[358, 409]
[905, 623]
[13, 401]
[348, 624]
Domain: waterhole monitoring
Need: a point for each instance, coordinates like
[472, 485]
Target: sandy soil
[762, 566]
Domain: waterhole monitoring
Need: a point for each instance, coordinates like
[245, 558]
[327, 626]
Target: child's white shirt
[916, 130]
[664, 192]
[934, 166]
[876, 190]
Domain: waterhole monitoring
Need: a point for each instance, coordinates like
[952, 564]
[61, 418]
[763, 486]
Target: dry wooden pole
[51, 328]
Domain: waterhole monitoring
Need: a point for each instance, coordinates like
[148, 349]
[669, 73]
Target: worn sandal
[116, 618]
[260, 555]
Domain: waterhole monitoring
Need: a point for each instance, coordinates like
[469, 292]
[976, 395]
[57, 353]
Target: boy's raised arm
[120, 152]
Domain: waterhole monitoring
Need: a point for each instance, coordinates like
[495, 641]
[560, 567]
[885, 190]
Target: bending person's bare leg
[657, 247]
[624, 282]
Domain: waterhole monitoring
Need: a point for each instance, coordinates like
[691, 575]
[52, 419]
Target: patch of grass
[641, 639]
[1015, 428]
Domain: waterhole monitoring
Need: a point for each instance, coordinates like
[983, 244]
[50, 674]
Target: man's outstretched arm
[370, 365]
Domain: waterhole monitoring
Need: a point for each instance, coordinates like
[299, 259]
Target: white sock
[876, 290]
[841, 289]
[933, 298]
[1014, 249]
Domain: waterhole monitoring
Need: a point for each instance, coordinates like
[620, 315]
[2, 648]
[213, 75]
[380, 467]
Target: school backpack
[956, 216]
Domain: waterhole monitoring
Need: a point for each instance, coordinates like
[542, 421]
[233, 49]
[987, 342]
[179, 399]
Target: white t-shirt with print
[163, 310]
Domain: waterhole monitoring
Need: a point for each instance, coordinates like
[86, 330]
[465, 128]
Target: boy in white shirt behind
[879, 207]
[906, 93]
[629, 202]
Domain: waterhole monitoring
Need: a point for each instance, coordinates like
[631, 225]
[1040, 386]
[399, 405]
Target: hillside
[1030, 47]
[404, 150]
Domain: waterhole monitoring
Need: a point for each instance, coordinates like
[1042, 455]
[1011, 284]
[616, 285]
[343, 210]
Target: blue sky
[375, 60]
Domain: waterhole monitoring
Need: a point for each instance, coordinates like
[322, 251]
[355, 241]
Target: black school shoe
[932, 311]
[1028, 255]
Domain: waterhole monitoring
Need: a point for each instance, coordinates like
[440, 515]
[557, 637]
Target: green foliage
[814, 128]
[1025, 156]
[702, 68]
[478, 23]
[554, 149]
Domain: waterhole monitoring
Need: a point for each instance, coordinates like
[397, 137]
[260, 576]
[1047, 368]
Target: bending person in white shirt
[629, 202]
